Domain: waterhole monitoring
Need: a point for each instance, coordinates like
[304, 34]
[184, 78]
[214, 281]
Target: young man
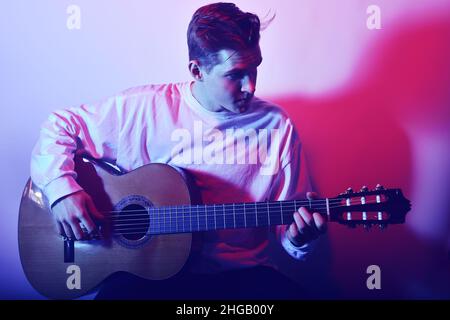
[237, 148]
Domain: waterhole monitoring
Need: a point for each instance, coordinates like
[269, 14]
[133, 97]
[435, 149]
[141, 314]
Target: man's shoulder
[166, 89]
[270, 109]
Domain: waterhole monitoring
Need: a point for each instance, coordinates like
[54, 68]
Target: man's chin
[241, 106]
[237, 107]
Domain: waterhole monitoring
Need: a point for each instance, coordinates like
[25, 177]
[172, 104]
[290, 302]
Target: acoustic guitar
[150, 221]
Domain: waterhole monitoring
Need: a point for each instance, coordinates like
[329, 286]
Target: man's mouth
[244, 100]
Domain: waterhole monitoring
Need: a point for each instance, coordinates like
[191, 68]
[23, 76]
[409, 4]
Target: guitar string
[161, 215]
[202, 210]
[158, 231]
[156, 228]
[146, 231]
[168, 222]
[323, 201]
[236, 205]
[185, 210]
[162, 211]
[158, 222]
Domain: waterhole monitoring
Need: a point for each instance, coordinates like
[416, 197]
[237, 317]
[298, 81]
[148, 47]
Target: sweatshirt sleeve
[89, 129]
[292, 182]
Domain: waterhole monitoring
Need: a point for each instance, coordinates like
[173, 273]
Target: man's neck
[198, 94]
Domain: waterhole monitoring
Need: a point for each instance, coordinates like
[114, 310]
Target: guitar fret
[240, 215]
[198, 220]
[328, 209]
[256, 214]
[150, 220]
[158, 216]
[156, 213]
[159, 221]
[206, 219]
[245, 218]
[234, 217]
[215, 218]
[182, 212]
[164, 221]
[281, 208]
[224, 224]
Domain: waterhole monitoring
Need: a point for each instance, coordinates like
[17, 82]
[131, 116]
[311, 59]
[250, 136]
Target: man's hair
[220, 26]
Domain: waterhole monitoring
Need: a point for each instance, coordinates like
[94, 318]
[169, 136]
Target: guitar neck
[180, 219]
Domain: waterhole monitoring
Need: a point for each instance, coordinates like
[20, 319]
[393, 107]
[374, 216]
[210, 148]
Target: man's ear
[195, 70]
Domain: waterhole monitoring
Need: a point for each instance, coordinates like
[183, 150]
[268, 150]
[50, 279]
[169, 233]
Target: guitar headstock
[369, 207]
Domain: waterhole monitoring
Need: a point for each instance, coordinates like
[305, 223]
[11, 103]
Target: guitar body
[67, 273]
[149, 221]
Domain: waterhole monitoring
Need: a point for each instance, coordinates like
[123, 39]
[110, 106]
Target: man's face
[230, 85]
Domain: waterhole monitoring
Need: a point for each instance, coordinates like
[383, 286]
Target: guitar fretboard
[180, 219]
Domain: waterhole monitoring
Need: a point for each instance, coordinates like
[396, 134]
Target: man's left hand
[307, 226]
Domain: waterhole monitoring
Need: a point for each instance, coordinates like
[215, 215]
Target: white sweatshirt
[252, 156]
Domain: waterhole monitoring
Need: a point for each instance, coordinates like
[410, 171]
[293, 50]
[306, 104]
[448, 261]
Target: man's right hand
[73, 211]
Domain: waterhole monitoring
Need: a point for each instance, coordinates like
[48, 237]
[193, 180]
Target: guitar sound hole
[133, 222]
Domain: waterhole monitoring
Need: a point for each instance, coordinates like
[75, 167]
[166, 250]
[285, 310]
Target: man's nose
[248, 85]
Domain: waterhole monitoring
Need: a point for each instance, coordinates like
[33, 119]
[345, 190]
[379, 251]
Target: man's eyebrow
[259, 61]
[235, 70]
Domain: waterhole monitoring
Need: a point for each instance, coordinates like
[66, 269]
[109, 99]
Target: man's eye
[235, 76]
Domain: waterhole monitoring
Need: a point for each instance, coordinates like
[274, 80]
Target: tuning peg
[364, 189]
[382, 226]
[349, 190]
[379, 187]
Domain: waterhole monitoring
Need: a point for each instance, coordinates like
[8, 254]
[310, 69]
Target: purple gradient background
[371, 106]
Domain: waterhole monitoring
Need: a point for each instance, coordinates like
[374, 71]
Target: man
[237, 147]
